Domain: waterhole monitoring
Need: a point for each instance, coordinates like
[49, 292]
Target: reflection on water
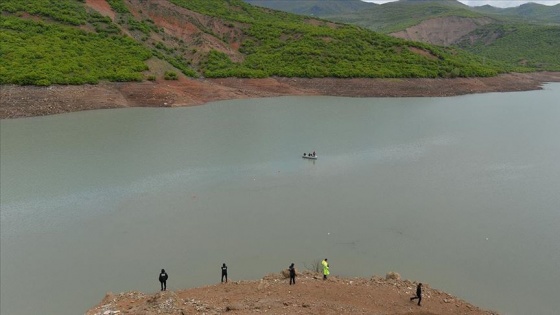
[460, 193]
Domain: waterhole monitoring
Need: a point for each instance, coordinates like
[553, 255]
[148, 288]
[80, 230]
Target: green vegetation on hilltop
[66, 11]
[287, 45]
[54, 51]
[528, 46]
[42, 54]
[397, 16]
[65, 42]
[504, 35]
[118, 6]
[318, 8]
[348, 52]
[143, 29]
[529, 12]
[237, 10]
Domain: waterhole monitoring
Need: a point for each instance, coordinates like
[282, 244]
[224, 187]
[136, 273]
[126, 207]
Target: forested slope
[76, 42]
[524, 37]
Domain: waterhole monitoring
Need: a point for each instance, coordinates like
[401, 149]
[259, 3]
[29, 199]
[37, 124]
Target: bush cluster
[42, 54]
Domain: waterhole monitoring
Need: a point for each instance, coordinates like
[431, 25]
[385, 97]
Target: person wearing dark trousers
[224, 272]
[163, 279]
[326, 270]
[418, 294]
[292, 270]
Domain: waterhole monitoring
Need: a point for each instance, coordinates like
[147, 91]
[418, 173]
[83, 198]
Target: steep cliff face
[442, 31]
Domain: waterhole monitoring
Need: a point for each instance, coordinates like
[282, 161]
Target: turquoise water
[461, 193]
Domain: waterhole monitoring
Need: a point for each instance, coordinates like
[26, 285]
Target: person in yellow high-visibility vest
[326, 271]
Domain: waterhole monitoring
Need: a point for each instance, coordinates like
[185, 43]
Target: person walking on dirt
[292, 270]
[224, 272]
[418, 294]
[163, 279]
[326, 271]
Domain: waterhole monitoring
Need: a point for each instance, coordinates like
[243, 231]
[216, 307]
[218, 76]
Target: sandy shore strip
[28, 101]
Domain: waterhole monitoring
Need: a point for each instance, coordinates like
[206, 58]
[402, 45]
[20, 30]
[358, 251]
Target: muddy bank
[28, 101]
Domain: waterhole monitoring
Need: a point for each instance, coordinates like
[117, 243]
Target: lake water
[462, 193]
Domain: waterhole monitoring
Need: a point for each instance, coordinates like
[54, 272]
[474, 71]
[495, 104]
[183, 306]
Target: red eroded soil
[26, 101]
[102, 7]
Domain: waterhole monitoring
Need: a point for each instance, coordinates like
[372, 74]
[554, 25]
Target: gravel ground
[28, 101]
[274, 295]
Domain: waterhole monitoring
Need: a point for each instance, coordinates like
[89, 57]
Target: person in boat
[313, 153]
[304, 154]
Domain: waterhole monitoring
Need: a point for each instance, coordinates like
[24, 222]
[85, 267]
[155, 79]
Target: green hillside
[285, 45]
[522, 36]
[66, 42]
[54, 50]
[524, 45]
[397, 16]
[528, 12]
[317, 8]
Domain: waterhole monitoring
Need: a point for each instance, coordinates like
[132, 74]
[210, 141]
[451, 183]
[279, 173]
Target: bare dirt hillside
[274, 295]
[27, 101]
[181, 28]
[442, 31]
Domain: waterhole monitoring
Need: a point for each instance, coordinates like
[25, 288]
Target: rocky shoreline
[273, 295]
[29, 101]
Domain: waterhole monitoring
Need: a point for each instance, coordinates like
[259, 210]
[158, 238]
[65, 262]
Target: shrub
[393, 275]
[315, 266]
[170, 75]
[37, 53]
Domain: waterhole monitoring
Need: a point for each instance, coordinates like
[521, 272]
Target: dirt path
[273, 295]
[27, 101]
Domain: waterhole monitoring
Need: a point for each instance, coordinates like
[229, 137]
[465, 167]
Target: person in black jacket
[163, 279]
[224, 272]
[292, 270]
[418, 294]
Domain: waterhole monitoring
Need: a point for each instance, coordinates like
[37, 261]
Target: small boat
[311, 157]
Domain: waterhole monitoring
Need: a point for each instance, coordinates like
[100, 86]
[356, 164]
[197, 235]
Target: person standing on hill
[163, 279]
[292, 270]
[224, 272]
[418, 294]
[326, 271]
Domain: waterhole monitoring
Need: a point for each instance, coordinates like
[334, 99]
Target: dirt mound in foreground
[274, 295]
